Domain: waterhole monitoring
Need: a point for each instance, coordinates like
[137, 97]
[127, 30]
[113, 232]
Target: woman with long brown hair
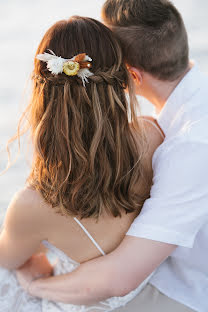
[91, 169]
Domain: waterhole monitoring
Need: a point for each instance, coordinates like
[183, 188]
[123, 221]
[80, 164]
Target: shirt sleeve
[178, 205]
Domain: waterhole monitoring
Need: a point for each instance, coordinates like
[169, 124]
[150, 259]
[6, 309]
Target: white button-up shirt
[177, 211]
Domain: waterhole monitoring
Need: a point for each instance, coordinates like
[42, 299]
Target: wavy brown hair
[87, 156]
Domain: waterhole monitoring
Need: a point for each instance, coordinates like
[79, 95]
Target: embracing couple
[120, 201]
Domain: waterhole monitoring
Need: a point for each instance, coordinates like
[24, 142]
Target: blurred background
[22, 25]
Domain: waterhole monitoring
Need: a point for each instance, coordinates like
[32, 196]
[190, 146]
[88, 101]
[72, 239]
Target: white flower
[55, 65]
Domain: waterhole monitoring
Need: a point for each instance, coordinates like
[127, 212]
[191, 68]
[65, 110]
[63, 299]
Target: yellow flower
[71, 68]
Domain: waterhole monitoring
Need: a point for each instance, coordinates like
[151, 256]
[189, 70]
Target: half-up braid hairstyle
[87, 156]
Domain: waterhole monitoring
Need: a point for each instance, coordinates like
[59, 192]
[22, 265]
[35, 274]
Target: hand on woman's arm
[37, 266]
[113, 275]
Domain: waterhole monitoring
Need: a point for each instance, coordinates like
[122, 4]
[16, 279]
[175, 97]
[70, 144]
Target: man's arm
[113, 275]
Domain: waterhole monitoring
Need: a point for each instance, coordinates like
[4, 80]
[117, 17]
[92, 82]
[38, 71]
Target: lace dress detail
[14, 299]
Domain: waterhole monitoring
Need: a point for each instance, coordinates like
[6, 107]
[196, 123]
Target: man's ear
[136, 75]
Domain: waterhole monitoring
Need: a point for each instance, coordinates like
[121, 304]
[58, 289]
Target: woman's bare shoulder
[153, 133]
[28, 197]
[26, 209]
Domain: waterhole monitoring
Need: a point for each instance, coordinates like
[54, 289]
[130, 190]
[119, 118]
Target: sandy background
[22, 25]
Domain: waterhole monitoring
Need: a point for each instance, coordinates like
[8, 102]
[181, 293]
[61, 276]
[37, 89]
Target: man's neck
[161, 90]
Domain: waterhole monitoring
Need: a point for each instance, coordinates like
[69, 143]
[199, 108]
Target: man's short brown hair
[152, 35]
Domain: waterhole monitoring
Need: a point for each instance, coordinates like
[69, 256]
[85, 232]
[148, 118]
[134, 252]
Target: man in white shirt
[172, 228]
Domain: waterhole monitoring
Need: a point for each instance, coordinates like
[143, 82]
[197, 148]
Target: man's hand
[37, 266]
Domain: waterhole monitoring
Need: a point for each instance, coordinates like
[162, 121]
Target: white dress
[14, 299]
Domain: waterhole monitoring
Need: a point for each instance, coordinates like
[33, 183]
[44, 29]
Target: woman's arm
[22, 231]
[113, 275]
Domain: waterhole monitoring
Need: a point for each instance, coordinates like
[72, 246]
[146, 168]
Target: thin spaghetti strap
[154, 125]
[90, 237]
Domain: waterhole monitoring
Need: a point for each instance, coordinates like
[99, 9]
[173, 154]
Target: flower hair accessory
[79, 65]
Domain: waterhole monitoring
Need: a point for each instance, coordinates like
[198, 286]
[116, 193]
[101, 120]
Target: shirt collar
[181, 94]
